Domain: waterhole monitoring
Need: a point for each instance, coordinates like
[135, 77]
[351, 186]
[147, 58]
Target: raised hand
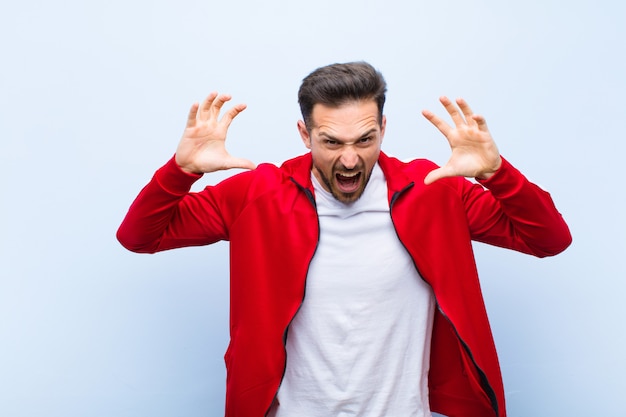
[202, 148]
[474, 152]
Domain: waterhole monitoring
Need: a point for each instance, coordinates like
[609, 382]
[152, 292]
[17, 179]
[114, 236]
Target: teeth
[350, 175]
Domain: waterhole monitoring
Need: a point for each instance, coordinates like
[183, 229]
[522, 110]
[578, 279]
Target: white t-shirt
[360, 343]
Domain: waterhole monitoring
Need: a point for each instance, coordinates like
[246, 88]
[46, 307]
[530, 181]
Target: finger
[231, 114]
[442, 126]
[206, 106]
[217, 104]
[467, 111]
[480, 122]
[453, 111]
[193, 113]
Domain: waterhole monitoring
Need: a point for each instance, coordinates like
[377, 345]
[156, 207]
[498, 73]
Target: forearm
[149, 219]
[523, 217]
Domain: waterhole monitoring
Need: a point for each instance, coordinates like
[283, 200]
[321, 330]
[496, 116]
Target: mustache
[341, 167]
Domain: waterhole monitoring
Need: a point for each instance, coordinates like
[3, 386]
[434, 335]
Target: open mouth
[348, 182]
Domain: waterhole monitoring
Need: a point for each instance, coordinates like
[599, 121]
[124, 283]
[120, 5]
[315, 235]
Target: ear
[304, 134]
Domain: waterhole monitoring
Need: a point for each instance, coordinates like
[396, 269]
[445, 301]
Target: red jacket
[269, 217]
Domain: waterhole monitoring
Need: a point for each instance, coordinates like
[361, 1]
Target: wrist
[490, 173]
[186, 168]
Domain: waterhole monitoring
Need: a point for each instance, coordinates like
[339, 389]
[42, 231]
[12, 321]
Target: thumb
[436, 174]
[241, 163]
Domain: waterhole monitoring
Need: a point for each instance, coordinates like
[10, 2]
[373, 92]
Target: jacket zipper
[484, 382]
[311, 199]
[483, 377]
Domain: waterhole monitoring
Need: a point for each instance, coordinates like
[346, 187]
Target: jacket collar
[394, 170]
[299, 169]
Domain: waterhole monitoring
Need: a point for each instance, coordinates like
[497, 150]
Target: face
[345, 144]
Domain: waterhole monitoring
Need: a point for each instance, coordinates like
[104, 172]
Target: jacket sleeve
[515, 213]
[165, 215]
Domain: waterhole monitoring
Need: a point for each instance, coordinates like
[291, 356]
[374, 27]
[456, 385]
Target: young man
[354, 290]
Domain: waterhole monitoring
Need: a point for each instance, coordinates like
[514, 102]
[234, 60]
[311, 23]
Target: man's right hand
[202, 149]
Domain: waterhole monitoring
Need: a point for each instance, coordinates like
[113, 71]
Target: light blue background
[93, 99]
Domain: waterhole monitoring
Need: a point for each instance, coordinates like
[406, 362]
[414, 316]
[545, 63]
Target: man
[354, 290]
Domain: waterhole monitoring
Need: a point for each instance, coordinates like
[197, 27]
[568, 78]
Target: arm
[515, 213]
[165, 215]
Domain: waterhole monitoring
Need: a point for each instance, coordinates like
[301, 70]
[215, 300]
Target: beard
[361, 180]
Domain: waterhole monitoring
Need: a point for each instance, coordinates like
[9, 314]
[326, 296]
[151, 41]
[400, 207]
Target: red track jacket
[269, 217]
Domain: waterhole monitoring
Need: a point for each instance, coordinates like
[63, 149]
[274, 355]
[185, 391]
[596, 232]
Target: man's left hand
[474, 152]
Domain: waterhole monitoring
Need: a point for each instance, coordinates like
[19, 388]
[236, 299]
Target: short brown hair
[336, 84]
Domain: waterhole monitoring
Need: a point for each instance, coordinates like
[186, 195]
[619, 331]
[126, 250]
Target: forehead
[347, 118]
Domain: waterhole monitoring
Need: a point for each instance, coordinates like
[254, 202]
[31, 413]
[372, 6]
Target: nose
[349, 157]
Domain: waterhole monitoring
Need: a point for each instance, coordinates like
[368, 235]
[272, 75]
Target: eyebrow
[363, 136]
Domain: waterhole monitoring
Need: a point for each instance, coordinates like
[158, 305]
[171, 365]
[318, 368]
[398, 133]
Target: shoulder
[264, 178]
[298, 168]
[411, 173]
[401, 173]
[408, 167]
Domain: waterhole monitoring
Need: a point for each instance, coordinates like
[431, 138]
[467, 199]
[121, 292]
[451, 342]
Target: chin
[347, 198]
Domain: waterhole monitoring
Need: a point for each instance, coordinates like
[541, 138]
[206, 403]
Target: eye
[331, 143]
[365, 141]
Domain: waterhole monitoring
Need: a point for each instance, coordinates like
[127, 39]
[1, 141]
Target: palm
[474, 153]
[202, 148]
